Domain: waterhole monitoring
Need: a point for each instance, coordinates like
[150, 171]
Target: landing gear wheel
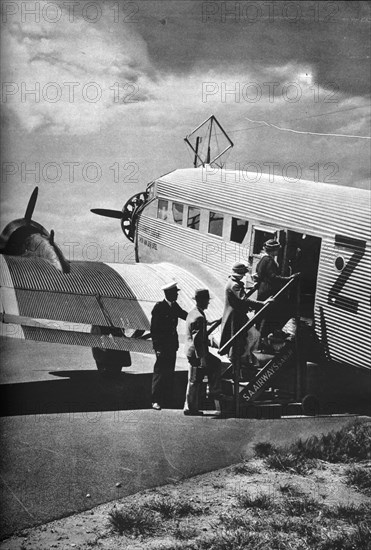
[310, 405]
[110, 362]
[128, 214]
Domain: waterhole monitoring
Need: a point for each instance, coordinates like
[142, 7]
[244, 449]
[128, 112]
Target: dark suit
[236, 306]
[197, 349]
[269, 279]
[165, 340]
[269, 283]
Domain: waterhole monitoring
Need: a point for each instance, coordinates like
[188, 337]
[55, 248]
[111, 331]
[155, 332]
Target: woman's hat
[240, 268]
[272, 244]
[201, 294]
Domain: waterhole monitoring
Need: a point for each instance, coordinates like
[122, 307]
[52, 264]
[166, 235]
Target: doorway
[301, 254]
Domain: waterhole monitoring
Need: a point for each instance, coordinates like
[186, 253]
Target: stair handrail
[258, 315]
[215, 324]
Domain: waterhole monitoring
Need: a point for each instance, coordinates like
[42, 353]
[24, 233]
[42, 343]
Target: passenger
[200, 360]
[269, 283]
[165, 341]
[268, 272]
[236, 307]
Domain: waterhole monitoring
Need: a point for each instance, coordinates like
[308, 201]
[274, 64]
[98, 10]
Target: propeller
[117, 214]
[31, 205]
[127, 215]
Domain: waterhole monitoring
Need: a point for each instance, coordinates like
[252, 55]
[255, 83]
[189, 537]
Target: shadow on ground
[84, 391]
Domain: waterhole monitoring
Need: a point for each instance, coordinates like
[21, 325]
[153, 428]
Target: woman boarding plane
[191, 225]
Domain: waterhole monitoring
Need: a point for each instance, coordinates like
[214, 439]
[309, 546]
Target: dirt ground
[215, 493]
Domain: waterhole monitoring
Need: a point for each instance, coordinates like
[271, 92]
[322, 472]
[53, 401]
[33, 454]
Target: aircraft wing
[40, 303]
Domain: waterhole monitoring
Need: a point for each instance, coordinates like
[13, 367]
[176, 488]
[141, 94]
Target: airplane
[190, 226]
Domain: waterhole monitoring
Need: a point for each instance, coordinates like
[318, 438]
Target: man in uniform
[200, 360]
[165, 341]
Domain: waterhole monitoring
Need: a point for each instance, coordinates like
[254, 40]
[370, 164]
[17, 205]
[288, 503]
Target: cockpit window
[193, 220]
[216, 224]
[162, 209]
[239, 230]
[178, 212]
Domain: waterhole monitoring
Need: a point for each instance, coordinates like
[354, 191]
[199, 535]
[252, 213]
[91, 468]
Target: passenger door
[259, 235]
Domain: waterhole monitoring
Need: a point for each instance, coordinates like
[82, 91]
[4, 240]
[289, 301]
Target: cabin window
[193, 220]
[178, 212]
[239, 230]
[262, 237]
[162, 209]
[216, 223]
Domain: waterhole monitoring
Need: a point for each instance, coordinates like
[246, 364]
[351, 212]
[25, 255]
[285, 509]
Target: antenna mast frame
[195, 149]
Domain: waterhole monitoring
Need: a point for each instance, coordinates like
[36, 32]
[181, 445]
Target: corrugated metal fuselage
[337, 217]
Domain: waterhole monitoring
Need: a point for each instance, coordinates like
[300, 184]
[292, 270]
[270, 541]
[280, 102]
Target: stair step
[268, 411]
[263, 357]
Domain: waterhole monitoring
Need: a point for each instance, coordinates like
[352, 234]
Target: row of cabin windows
[239, 226]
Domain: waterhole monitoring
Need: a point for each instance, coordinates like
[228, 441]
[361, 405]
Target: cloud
[83, 75]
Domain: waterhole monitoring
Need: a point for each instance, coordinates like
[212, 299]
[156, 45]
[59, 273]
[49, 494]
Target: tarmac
[71, 441]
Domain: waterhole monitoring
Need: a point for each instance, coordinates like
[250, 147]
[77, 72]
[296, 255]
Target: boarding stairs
[252, 393]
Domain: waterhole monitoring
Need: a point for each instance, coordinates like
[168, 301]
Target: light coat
[197, 345]
[236, 307]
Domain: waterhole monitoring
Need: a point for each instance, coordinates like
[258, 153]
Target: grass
[245, 468]
[349, 444]
[133, 520]
[262, 501]
[287, 461]
[301, 506]
[290, 490]
[292, 520]
[240, 539]
[174, 507]
[359, 477]
[291, 523]
[184, 532]
[234, 520]
[305, 528]
[264, 449]
[218, 485]
[360, 539]
[146, 519]
[349, 513]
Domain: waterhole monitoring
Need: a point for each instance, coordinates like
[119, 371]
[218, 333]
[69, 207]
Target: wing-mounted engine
[25, 237]
[128, 216]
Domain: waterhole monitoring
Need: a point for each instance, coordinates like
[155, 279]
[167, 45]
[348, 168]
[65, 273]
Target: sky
[118, 85]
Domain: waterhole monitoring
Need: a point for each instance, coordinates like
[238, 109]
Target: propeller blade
[107, 213]
[31, 204]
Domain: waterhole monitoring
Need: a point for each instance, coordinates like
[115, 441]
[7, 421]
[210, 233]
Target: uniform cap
[170, 286]
[240, 268]
[201, 294]
[272, 244]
